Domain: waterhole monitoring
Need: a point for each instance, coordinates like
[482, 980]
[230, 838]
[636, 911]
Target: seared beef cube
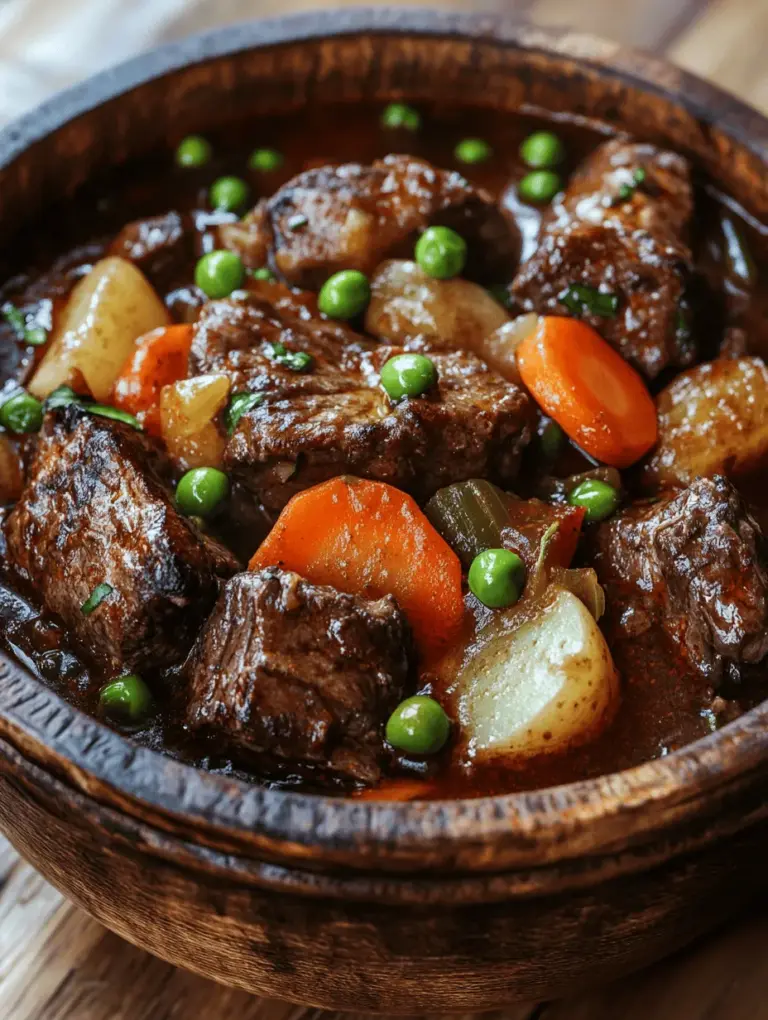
[299, 674]
[354, 217]
[614, 234]
[237, 338]
[336, 419]
[96, 510]
[696, 562]
[162, 247]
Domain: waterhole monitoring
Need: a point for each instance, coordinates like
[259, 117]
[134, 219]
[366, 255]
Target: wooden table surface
[58, 964]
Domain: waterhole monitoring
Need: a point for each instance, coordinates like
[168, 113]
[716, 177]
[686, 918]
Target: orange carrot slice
[592, 393]
[371, 539]
[160, 359]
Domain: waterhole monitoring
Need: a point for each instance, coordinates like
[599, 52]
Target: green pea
[598, 498]
[201, 490]
[344, 295]
[265, 160]
[473, 150]
[542, 150]
[441, 252]
[263, 273]
[497, 577]
[126, 700]
[193, 151]
[539, 186]
[408, 375]
[552, 440]
[218, 273]
[22, 413]
[229, 193]
[418, 726]
[400, 115]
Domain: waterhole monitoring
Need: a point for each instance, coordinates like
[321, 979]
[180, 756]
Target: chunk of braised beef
[620, 230]
[97, 510]
[336, 418]
[695, 561]
[291, 673]
[163, 248]
[354, 216]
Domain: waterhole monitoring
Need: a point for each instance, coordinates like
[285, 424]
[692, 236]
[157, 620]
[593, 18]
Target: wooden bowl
[451, 906]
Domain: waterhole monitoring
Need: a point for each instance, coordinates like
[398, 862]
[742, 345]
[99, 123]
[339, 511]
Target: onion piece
[583, 582]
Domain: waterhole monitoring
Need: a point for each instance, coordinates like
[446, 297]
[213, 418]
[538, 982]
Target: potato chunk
[414, 310]
[187, 414]
[713, 419]
[545, 687]
[107, 312]
[406, 305]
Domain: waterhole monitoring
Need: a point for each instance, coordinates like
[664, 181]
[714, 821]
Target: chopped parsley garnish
[682, 326]
[297, 222]
[105, 411]
[63, 396]
[626, 191]
[34, 335]
[97, 596]
[296, 361]
[240, 404]
[580, 300]
[500, 292]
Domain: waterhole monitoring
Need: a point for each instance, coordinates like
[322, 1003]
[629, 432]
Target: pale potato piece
[407, 305]
[499, 349]
[713, 419]
[547, 686]
[108, 310]
[187, 412]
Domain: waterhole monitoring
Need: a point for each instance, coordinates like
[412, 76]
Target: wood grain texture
[56, 964]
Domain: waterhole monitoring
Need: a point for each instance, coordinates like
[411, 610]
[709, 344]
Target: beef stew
[421, 445]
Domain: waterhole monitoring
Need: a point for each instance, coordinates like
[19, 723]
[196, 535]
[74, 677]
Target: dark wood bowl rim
[46, 728]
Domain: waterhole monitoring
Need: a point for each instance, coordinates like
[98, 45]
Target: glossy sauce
[665, 704]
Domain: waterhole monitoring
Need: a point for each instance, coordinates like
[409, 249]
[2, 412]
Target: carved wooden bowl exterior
[451, 906]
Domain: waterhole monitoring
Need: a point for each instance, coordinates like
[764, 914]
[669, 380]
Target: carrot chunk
[160, 359]
[371, 539]
[592, 393]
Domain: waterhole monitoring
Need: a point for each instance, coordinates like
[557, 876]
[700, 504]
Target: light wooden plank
[728, 45]
[201, 15]
[42, 937]
[723, 978]
[649, 24]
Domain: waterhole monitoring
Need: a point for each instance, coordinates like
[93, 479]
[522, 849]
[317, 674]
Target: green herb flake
[500, 292]
[263, 273]
[546, 541]
[97, 596]
[63, 396]
[582, 300]
[240, 404]
[36, 336]
[114, 414]
[626, 191]
[297, 222]
[296, 361]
